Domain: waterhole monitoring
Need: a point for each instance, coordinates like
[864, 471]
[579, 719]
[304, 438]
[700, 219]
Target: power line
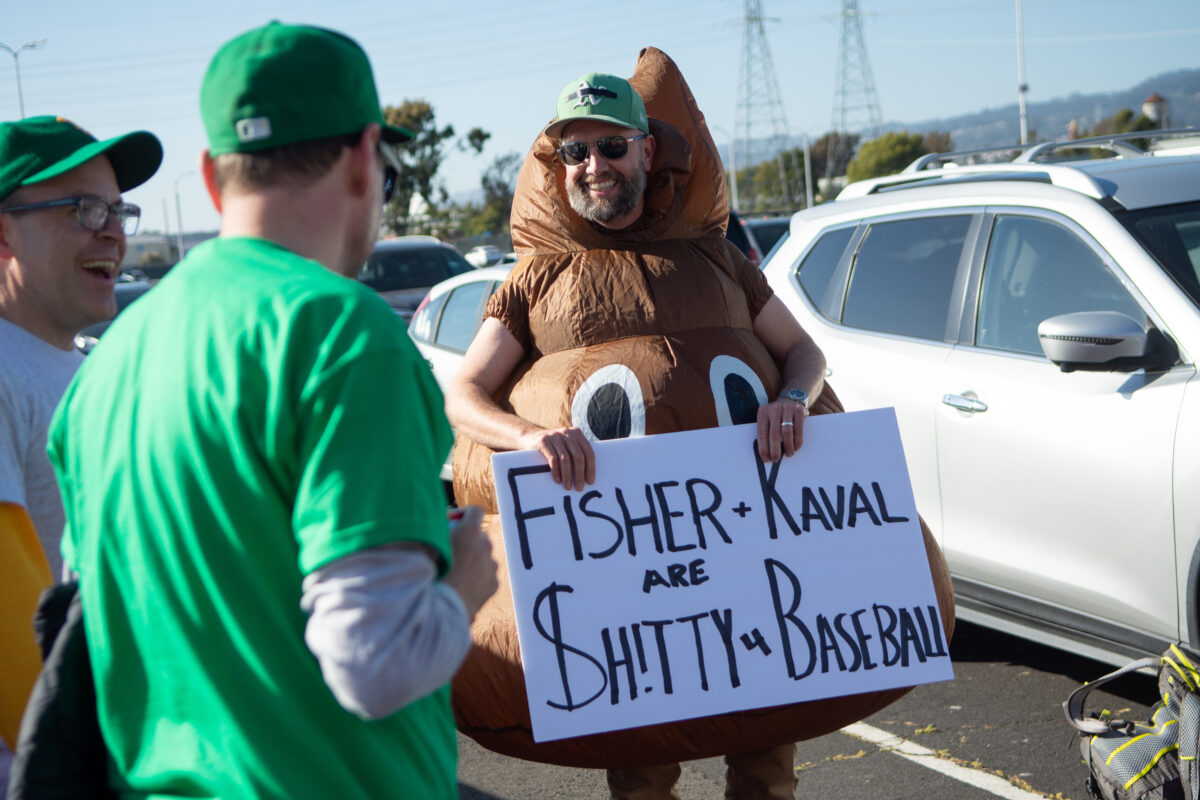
[759, 107]
[855, 104]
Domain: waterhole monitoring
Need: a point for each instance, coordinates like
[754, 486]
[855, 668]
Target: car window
[411, 268]
[421, 325]
[735, 234]
[817, 268]
[903, 276]
[1036, 269]
[462, 315]
[767, 232]
[1172, 235]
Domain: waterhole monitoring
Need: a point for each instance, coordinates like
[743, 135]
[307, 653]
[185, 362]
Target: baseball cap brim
[394, 134]
[555, 128]
[135, 157]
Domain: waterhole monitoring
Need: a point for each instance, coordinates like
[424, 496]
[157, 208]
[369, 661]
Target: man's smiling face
[607, 192]
[56, 277]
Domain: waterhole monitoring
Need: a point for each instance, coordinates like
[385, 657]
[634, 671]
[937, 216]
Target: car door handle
[964, 403]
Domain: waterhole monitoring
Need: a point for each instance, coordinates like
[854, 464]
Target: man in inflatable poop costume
[624, 273]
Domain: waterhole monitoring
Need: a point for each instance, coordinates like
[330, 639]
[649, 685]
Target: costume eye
[737, 390]
[609, 405]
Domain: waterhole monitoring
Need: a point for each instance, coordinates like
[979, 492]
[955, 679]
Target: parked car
[483, 255]
[447, 319]
[766, 232]
[755, 236]
[127, 289]
[403, 270]
[1036, 326]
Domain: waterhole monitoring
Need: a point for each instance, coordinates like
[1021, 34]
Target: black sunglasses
[389, 183]
[611, 147]
[390, 173]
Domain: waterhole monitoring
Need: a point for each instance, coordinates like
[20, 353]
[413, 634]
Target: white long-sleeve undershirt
[384, 630]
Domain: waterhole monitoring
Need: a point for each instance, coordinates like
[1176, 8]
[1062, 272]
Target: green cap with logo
[283, 84]
[600, 97]
[40, 148]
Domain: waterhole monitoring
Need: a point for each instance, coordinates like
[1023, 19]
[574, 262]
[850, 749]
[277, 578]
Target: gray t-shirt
[33, 376]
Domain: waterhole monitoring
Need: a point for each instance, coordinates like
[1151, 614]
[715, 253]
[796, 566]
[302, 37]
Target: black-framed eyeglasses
[390, 173]
[93, 212]
[612, 148]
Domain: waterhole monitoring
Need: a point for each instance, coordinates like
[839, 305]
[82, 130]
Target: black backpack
[1152, 760]
[60, 754]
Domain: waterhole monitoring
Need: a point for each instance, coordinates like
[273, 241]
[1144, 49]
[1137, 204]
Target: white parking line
[917, 754]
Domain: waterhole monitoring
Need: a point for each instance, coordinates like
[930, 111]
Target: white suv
[1036, 326]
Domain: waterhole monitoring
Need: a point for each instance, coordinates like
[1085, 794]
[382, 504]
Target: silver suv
[1036, 325]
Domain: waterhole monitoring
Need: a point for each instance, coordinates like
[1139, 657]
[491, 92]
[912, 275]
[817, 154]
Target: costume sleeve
[384, 631]
[754, 284]
[510, 305]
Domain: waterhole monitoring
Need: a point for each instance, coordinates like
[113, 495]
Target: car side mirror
[1104, 341]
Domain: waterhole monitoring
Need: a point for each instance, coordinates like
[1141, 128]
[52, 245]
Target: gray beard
[601, 210]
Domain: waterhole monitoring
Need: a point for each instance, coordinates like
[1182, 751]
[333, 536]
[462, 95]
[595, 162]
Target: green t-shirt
[252, 418]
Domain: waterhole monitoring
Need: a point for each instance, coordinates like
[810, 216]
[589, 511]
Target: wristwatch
[798, 396]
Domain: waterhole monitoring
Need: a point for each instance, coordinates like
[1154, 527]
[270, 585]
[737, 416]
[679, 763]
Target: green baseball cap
[40, 148]
[601, 97]
[282, 84]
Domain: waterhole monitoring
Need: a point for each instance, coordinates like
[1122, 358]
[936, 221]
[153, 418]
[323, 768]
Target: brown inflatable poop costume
[669, 350]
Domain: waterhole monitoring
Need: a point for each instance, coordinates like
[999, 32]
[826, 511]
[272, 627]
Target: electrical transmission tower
[855, 105]
[760, 114]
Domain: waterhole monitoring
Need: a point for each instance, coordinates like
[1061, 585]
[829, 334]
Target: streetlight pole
[1022, 87]
[17, 67]
[179, 213]
[808, 186]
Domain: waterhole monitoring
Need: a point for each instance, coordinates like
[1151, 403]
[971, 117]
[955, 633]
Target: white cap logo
[254, 129]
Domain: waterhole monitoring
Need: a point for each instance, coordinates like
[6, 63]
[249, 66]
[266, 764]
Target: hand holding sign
[695, 579]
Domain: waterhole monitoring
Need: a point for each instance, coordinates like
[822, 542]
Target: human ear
[208, 171]
[648, 151]
[362, 160]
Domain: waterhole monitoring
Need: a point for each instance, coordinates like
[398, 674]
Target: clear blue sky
[119, 66]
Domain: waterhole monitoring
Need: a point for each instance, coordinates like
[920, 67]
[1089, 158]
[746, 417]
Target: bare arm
[803, 368]
[490, 360]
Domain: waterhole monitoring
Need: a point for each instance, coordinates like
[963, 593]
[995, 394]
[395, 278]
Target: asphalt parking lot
[996, 731]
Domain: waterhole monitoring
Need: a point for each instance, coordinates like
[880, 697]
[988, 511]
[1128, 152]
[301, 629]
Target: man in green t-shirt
[273, 599]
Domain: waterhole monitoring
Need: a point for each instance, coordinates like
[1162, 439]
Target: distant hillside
[1049, 119]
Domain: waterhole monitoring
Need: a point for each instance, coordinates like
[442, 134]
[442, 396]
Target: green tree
[475, 139]
[420, 160]
[887, 155]
[937, 142]
[818, 151]
[499, 182]
[1123, 121]
[759, 186]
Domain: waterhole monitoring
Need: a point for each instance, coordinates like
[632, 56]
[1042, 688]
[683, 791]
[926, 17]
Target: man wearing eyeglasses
[630, 314]
[287, 601]
[62, 239]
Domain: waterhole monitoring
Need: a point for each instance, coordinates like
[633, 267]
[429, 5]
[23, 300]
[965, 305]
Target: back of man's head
[281, 101]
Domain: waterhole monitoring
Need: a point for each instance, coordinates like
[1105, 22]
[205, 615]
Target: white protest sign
[692, 579]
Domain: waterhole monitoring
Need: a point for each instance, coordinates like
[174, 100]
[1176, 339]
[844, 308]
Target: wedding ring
[787, 424]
